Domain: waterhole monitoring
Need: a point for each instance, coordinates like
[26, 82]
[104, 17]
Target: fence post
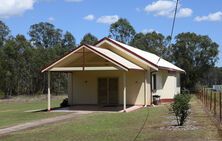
[203, 95]
[207, 98]
[214, 103]
[220, 104]
[211, 98]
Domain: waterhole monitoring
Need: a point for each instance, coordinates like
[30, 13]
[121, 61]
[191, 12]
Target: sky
[95, 16]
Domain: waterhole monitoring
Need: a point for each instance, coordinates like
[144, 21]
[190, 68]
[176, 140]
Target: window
[154, 82]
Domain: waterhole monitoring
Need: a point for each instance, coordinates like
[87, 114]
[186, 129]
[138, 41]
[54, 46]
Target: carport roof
[104, 53]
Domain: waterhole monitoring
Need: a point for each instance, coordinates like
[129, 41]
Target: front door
[108, 91]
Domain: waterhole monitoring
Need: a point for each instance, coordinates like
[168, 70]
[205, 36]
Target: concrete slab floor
[95, 108]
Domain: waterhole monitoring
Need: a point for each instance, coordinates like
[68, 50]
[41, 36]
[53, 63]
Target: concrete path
[74, 112]
[41, 122]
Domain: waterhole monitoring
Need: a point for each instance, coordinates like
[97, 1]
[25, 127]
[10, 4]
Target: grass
[12, 111]
[122, 127]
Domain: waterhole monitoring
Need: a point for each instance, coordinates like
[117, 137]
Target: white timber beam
[145, 88]
[67, 69]
[83, 68]
[49, 94]
[124, 91]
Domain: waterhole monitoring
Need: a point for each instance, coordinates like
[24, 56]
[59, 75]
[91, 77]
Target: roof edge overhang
[68, 53]
[152, 65]
[118, 64]
[174, 70]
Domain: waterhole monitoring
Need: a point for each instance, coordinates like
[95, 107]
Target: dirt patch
[171, 125]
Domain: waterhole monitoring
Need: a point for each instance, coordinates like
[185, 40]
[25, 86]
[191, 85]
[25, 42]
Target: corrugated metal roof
[149, 57]
[160, 62]
[116, 57]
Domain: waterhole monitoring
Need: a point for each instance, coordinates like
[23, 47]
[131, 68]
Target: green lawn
[122, 127]
[13, 111]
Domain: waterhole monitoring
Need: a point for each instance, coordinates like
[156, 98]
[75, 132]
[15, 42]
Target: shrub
[181, 107]
[64, 103]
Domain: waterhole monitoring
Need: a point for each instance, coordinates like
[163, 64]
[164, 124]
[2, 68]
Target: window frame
[154, 81]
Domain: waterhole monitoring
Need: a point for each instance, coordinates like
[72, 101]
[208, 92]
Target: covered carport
[89, 58]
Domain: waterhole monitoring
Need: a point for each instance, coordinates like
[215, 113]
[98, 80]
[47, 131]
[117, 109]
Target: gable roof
[118, 60]
[104, 53]
[146, 56]
[115, 57]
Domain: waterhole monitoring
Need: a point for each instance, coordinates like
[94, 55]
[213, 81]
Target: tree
[47, 41]
[152, 42]
[4, 36]
[9, 66]
[16, 66]
[4, 32]
[68, 41]
[89, 39]
[24, 64]
[196, 54]
[2, 74]
[21, 60]
[45, 35]
[122, 31]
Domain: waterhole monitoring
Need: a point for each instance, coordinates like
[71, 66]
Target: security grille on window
[154, 82]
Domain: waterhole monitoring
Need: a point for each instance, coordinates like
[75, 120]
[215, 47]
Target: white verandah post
[49, 94]
[145, 88]
[124, 91]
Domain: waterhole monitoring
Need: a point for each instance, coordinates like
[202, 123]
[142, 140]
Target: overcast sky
[83, 16]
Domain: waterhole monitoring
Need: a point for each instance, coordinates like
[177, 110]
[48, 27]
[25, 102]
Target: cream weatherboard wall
[84, 89]
[167, 84]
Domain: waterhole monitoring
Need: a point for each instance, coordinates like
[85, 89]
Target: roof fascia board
[89, 48]
[170, 69]
[62, 58]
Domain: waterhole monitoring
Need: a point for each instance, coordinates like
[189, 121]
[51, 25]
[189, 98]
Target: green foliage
[4, 32]
[68, 41]
[89, 39]
[152, 42]
[181, 107]
[21, 60]
[45, 35]
[196, 54]
[122, 31]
